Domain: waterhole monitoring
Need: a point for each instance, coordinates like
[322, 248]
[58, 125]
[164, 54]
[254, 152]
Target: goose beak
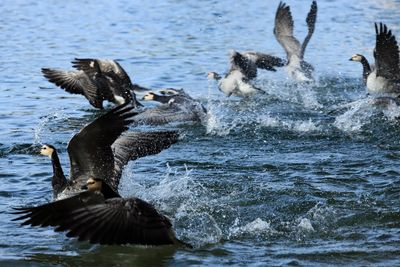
[351, 59]
[84, 187]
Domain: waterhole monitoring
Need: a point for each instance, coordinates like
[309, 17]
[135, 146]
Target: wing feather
[133, 145]
[386, 53]
[283, 31]
[90, 150]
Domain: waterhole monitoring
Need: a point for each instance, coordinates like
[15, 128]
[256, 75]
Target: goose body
[101, 150]
[296, 66]
[101, 216]
[98, 80]
[384, 77]
[176, 106]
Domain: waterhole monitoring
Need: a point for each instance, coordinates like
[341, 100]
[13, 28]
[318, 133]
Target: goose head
[47, 150]
[357, 57]
[213, 75]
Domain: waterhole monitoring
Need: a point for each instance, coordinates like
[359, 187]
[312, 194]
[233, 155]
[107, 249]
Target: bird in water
[176, 106]
[101, 150]
[384, 77]
[98, 80]
[243, 69]
[101, 216]
[296, 66]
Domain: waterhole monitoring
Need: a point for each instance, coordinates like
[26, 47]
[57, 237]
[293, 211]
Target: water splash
[255, 228]
[43, 123]
[362, 112]
[186, 201]
[297, 126]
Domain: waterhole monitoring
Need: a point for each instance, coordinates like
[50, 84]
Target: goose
[101, 216]
[176, 106]
[97, 80]
[243, 69]
[297, 68]
[99, 149]
[384, 77]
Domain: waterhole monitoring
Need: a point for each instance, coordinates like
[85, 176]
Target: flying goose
[99, 150]
[176, 106]
[101, 216]
[97, 80]
[384, 77]
[243, 68]
[297, 68]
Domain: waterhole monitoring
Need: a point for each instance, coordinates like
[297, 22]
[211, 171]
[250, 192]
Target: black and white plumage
[384, 77]
[101, 150]
[101, 216]
[297, 68]
[243, 68]
[176, 106]
[98, 80]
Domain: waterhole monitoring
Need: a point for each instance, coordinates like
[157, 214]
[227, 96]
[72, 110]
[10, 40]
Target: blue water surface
[303, 175]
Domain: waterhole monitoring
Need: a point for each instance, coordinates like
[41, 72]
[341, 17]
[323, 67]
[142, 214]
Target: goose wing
[283, 31]
[90, 150]
[265, 61]
[386, 53]
[75, 82]
[133, 145]
[242, 63]
[90, 217]
[164, 114]
[311, 19]
[52, 214]
[108, 67]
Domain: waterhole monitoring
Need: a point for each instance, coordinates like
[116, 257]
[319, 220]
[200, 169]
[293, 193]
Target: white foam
[360, 113]
[305, 224]
[256, 227]
[297, 126]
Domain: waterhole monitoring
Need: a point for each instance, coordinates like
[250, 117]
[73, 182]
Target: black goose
[97, 80]
[99, 150]
[177, 106]
[101, 216]
[237, 81]
[297, 68]
[385, 76]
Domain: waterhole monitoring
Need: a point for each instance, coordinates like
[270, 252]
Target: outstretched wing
[52, 214]
[107, 67]
[133, 145]
[239, 61]
[114, 221]
[265, 61]
[311, 19]
[90, 150]
[75, 82]
[283, 31]
[386, 53]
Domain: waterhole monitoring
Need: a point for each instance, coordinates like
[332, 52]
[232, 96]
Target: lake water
[294, 177]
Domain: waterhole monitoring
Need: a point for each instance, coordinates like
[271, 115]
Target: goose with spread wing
[296, 66]
[384, 77]
[98, 80]
[101, 150]
[243, 69]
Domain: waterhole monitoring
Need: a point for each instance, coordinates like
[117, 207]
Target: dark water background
[288, 179]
